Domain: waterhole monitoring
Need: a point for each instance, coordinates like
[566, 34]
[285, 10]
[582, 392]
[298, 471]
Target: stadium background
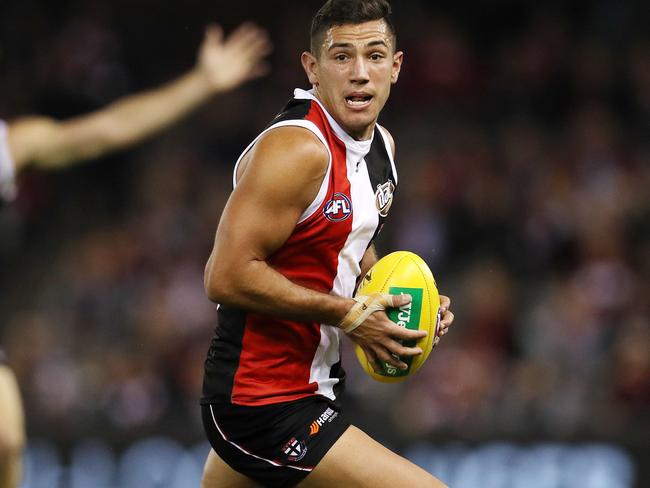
[524, 157]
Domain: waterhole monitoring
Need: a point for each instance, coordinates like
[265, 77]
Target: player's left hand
[446, 316]
[228, 63]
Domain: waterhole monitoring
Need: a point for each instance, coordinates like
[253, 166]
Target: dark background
[524, 158]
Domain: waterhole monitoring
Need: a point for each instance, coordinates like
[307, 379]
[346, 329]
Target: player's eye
[341, 57]
[376, 56]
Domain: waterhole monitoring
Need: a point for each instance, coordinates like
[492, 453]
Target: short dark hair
[341, 12]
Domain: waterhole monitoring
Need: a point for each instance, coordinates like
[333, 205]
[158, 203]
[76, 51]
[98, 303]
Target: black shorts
[276, 445]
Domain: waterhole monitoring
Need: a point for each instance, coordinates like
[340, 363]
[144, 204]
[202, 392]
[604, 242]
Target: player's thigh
[217, 474]
[358, 461]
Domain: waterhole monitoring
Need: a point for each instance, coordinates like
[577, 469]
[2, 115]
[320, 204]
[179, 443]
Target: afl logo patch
[339, 208]
[384, 197]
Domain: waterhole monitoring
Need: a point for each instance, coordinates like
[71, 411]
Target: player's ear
[310, 65]
[398, 58]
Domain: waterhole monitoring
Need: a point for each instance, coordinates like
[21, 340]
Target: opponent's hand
[378, 336]
[228, 63]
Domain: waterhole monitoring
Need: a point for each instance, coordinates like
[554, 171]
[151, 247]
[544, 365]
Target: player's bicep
[257, 220]
[30, 136]
[282, 177]
[81, 138]
[47, 142]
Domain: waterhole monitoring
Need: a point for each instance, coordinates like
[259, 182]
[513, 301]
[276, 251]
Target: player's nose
[359, 71]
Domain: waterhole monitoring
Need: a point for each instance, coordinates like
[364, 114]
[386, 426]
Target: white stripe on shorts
[250, 453]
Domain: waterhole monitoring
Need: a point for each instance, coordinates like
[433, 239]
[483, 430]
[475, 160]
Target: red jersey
[256, 359]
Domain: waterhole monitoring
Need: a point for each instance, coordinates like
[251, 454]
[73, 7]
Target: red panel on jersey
[276, 355]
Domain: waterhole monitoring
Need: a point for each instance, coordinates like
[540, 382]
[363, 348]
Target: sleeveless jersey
[7, 182]
[258, 360]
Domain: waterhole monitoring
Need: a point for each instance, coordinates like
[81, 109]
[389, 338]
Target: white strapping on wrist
[360, 311]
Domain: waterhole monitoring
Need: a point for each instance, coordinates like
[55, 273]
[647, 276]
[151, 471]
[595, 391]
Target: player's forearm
[369, 259]
[258, 288]
[138, 116]
[52, 144]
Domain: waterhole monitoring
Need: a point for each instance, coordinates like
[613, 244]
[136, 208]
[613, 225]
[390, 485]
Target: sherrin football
[404, 272]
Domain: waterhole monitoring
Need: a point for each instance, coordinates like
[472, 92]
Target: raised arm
[222, 65]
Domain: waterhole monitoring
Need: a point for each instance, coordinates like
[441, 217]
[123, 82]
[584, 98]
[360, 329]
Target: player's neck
[361, 136]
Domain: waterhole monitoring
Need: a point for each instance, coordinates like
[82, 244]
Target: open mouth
[358, 101]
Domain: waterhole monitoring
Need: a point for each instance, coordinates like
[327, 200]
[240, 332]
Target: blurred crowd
[524, 156]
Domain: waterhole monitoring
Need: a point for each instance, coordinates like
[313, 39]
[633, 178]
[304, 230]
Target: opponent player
[311, 193]
[221, 66]
[12, 436]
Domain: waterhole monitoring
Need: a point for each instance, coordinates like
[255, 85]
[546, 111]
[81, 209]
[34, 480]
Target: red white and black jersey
[258, 360]
[7, 182]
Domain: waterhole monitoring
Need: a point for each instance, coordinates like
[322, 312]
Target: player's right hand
[378, 336]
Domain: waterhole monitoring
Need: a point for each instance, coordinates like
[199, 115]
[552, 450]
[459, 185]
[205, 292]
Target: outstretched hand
[227, 63]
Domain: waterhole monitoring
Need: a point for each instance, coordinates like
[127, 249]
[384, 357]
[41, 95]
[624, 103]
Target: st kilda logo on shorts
[339, 208]
[294, 449]
[384, 197]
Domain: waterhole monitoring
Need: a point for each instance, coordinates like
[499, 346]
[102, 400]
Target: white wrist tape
[365, 306]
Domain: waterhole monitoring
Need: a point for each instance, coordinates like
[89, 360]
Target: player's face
[352, 73]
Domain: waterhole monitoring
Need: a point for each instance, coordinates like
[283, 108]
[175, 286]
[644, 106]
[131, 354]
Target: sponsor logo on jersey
[294, 449]
[327, 416]
[339, 208]
[384, 197]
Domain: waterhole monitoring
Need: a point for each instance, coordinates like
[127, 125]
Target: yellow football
[403, 272]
